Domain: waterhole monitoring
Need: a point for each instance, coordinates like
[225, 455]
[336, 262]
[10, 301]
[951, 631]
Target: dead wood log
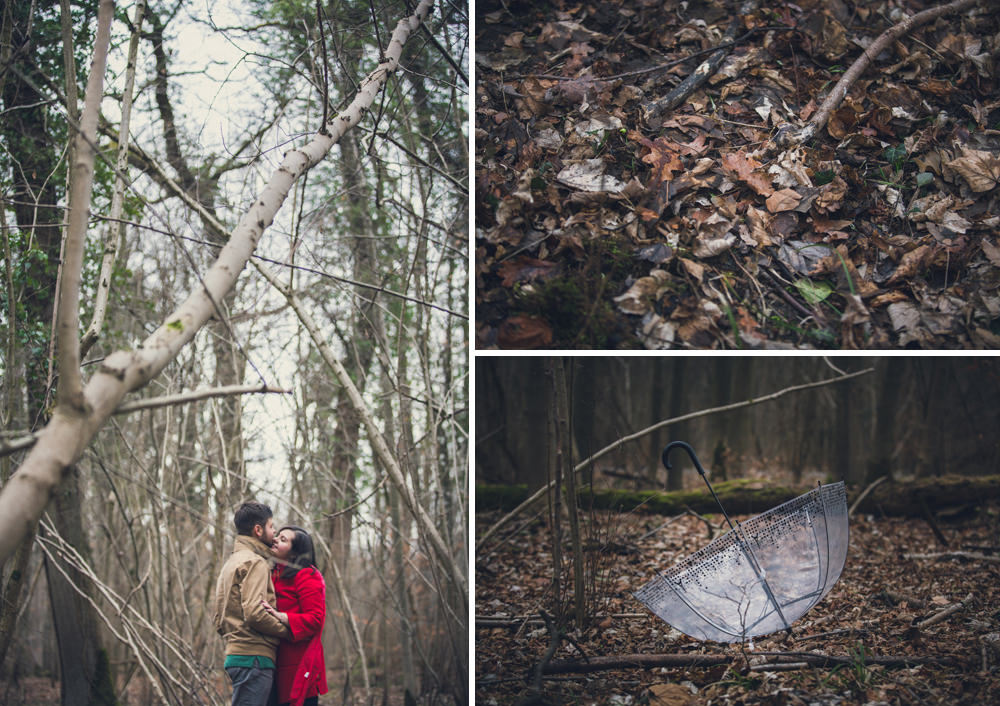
[790, 135]
[812, 659]
[899, 499]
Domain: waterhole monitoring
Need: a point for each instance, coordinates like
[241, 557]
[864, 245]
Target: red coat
[301, 669]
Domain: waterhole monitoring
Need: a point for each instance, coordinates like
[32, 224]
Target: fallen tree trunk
[744, 497]
[812, 659]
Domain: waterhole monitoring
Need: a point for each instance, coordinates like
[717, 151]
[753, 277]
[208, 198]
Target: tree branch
[115, 229]
[790, 135]
[615, 445]
[196, 395]
[69, 394]
[64, 438]
[427, 528]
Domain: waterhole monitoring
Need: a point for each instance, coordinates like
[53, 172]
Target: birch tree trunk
[72, 426]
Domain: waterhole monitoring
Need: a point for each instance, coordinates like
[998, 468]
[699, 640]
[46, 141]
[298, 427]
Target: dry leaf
[710, 245]
[670, 695]
[992, 252]
[639, 297]
[693, 268]
[912, 263]
[784, 200]
[744, 167]
[980, 169]
[588, 175]
[524, 332]
[759, 222]
[656, 333]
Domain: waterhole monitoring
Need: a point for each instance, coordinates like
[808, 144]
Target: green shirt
[248, 661]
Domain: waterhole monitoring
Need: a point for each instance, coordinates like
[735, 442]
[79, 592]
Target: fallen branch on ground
[654, 109]
[954, 555]
[494, 621]
[790, 135]
[812, 659]
[941, 616]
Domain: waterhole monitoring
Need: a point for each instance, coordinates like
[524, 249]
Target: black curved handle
[690, 452]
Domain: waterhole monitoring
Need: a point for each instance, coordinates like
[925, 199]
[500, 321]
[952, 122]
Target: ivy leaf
[813, 292]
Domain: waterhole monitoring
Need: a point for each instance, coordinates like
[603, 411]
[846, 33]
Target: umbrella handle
[690, 452]
[665, 457]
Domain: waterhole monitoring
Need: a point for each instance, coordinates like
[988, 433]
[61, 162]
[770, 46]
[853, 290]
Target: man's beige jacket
[245, 581]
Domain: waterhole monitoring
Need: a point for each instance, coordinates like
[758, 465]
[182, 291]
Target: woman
[300, 593]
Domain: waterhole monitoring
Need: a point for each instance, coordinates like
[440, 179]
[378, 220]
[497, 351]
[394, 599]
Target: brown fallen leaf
[639, 297]
[744, 167]
[911, 264]
[670, 695]
[992, 252]
[521, 331]
[693, 268]
[784, 200]
[759, 226]
[979, 168]
[525, 269]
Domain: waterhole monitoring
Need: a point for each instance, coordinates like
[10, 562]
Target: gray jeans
[251, 685]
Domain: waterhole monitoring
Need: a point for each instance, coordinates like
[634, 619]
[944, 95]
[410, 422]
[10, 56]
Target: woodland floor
[602, 225]
[878, 600]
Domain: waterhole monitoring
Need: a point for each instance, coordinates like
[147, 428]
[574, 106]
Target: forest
[579, 522]
[234, 268]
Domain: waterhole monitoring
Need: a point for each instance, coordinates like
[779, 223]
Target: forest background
[575, 513]
[331, 380]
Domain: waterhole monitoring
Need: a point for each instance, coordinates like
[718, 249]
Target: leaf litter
[874, 610]
[695, 229]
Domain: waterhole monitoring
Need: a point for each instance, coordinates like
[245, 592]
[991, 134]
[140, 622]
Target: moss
[741, 496]
[500, 497]
[579, 305]
[102, 689]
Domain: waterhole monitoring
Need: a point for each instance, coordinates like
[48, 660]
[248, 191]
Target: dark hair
[250, 514]
[302, 553]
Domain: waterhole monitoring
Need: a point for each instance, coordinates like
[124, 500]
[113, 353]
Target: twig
[651, 111]
[831, 633]
[708, 525]
[790, 135]
[780, 289]
[615, 445]
[195, 395]
[535, 690]
[940, 616]
[864, 494]
[954, 555]
[812, 659]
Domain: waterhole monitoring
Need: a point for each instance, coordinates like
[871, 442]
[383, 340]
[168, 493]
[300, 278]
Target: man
[250, 632]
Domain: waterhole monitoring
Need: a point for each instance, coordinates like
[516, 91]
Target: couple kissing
[271, 620]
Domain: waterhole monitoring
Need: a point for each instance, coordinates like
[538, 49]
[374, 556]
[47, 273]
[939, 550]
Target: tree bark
[77, 637]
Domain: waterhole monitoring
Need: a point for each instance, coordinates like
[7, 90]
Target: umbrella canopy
[762, 575]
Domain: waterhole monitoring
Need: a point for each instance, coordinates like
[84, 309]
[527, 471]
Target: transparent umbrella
[762, 575]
